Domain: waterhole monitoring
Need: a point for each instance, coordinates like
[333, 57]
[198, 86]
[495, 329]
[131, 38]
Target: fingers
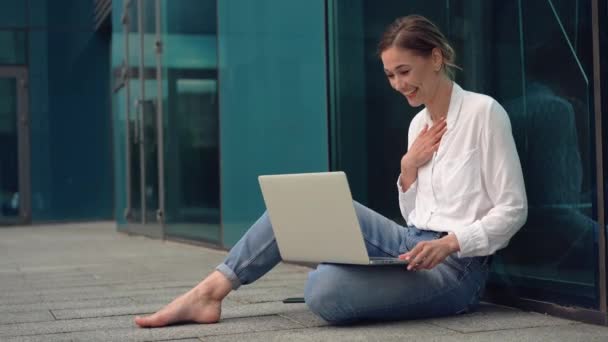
[438, 126]
[425, 255]
[424, 130]
[435, 147]
[439, 130]
[417, 255]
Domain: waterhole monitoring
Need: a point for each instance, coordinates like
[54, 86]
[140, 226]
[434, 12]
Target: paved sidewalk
[85, 282]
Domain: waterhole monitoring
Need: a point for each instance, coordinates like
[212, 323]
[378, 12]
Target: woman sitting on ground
[461, 191]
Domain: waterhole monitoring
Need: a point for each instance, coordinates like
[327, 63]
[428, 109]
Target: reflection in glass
[535, 58]
[193, 178]
[9, 160]
[12, 47]
[191, 138]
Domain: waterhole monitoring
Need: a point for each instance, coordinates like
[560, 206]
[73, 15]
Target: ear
[437, 58]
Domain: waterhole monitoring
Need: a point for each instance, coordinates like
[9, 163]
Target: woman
[461, 192]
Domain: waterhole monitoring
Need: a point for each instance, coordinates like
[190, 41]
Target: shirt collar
[453, 109]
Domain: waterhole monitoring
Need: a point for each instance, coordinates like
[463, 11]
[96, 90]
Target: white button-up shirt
[473, 186]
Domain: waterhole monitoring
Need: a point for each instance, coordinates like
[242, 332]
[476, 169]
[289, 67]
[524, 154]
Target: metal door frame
[23, 133]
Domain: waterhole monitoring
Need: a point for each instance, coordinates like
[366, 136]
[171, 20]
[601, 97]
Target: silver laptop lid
[313, 217]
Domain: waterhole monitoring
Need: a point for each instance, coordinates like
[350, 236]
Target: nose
[401, 85]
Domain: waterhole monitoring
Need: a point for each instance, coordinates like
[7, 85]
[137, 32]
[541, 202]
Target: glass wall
[273, 109]
[136, 107]
[69, 115]
[166, 116]
[510, 50]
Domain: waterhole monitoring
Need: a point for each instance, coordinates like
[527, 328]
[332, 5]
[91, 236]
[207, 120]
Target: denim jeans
[342, 294]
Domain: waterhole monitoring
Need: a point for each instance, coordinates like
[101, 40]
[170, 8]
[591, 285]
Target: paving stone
[60, 291]
[191, 331]
[114, 294]
[561, 333]
[20, 299]
[229, 310]
[398, 331]
[80, 304]
[153, 285]
[95, 296]
[261, 309]
[490, 317]
[305, 317]
[106, 312]
[54, 327]
[25, 317]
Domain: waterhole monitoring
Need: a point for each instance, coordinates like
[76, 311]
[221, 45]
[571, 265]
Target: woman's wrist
[452, 242]
[408, 177]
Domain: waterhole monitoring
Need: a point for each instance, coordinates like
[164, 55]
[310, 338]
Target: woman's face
[414, 76]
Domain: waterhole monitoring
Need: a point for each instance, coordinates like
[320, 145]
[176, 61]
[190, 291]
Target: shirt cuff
[407, 199]
[473, 240]
[411, 189]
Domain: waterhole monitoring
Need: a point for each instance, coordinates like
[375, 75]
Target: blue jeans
[347, 293]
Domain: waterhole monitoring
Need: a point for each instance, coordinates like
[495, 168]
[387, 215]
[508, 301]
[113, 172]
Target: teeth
[410, 92]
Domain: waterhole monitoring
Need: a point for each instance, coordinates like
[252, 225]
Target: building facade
[162, 113]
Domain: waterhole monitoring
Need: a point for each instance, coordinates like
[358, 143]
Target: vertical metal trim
[141, 109]
[160, 121]
[333, 90]
[219, 125]
[127, 81]
[597, 99]
[522, 55]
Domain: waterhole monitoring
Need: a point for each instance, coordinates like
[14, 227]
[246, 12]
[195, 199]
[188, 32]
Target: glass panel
[503, 48]
[553, 126]
[119, 113]
[71, 156]
[66, 14]
[191, 141]
[38, 12]
[603, 38]
[142, 146]
[9, 145]
[122, 102]
[148, 116]
[13, 13]
[150, 142]
[272, 100]
[12, 47]
[135, 160]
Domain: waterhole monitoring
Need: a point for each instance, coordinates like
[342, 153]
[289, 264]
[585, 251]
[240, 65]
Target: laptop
[314, 220]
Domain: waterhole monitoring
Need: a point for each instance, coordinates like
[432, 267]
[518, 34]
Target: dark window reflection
[535, 58]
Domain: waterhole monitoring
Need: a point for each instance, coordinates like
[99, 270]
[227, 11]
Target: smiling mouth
[410, 92]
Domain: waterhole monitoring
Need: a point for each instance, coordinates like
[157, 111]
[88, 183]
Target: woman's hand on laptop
[428, 254]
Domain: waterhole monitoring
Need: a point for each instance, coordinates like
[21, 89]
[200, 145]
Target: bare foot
[202, 304]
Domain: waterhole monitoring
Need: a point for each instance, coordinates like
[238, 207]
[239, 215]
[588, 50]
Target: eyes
[400, 72]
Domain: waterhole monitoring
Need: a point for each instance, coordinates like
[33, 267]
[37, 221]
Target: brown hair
[420, 35]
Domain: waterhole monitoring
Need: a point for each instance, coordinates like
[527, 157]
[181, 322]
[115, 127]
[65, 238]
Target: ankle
[215, 287]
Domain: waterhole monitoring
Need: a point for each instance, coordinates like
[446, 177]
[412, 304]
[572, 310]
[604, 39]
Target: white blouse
[473, 186]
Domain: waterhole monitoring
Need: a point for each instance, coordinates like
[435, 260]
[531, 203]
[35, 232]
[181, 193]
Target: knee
[325, 295]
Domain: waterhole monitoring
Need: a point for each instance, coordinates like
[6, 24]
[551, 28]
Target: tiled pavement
[85, 282]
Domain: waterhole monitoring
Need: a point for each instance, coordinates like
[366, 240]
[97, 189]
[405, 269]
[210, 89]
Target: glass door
[14, 147]
[193, 184]
[143, 167]
[191, 148]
